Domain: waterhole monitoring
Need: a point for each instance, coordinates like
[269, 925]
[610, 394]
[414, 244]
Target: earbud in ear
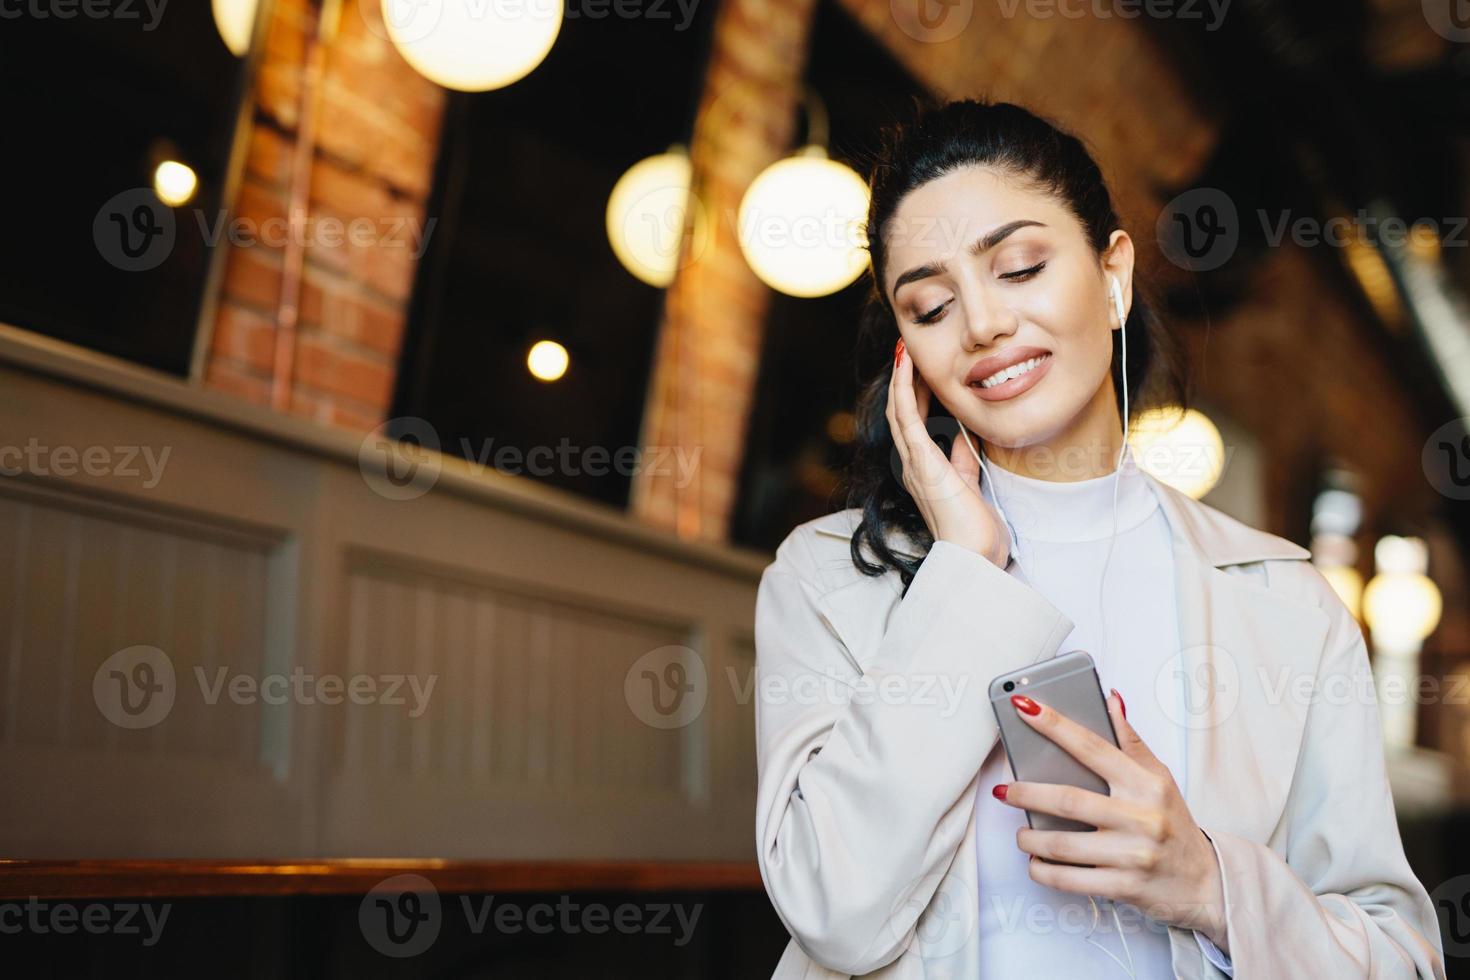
[1117, 292]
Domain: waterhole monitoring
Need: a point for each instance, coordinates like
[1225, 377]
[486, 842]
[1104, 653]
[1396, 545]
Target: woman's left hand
[1147, 850]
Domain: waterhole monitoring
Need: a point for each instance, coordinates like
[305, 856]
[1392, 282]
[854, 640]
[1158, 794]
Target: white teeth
[1014, 371]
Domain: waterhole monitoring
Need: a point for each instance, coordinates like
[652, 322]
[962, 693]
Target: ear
[1117, 260]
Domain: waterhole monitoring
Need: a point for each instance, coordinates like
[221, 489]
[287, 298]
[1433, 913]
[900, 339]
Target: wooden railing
[248, 549]
[184, 879]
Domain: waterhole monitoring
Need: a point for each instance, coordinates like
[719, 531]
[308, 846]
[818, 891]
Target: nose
[987, 318]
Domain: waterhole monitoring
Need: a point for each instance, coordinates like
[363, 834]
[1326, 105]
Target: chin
[1020, 433]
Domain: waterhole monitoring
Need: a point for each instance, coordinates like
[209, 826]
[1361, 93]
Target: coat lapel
[1243, 651]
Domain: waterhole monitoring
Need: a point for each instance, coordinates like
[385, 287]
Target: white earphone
[1117, 292]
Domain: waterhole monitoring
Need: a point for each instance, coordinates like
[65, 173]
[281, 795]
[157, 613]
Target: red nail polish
[1023, 703]
[1121, 705]
[999, 791]
[898, 352]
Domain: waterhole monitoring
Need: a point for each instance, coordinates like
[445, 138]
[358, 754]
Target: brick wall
[709, 347]
[376, 138]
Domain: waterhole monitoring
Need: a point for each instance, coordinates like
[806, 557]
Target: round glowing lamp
[174, 183]
[473, 47]
[801, 224]
[547, 360]
[235, 21]
[1401, 604]
[646, 216]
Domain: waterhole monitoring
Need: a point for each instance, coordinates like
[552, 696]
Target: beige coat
[872, 722]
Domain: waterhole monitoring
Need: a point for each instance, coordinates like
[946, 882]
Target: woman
[1248, 830]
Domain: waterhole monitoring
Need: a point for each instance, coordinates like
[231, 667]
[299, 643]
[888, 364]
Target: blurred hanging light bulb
[1180, 448]
[174, 183]
[1401, 604]
[801, 224]
[646, 215]
[472, 47]
[547, 360]
[235, 21]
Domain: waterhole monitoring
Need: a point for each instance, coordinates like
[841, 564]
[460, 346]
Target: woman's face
[984, 271]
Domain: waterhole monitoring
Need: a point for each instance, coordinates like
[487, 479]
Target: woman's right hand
[947, 490]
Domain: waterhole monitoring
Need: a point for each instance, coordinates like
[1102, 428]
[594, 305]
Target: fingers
[1102, 882]
[1128, 739]
[1101, 849]
[1075, 803]
[927, 472]
[1082, 744]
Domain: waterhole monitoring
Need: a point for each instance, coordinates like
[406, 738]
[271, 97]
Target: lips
[1012, 357]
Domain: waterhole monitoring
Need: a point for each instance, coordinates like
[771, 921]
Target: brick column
[376, 138]
[708, 352]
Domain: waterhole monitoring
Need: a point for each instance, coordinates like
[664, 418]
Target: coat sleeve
[1343, 901]
[867, 774]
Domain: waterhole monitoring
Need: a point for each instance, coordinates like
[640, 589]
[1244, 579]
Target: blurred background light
[174, 183]
[547, 360]
[473, 47]
[1401, 603]
[801, 224]
[235, 20]
[1180, 448]
[646, 216]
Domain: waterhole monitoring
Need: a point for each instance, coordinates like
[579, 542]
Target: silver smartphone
[1068, 683]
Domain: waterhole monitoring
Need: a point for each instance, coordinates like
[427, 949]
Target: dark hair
[940, 139]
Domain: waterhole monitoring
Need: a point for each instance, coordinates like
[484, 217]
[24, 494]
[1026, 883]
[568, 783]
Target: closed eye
[932, 315]
[1021, 275]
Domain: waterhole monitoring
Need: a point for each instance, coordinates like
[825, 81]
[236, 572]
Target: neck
[1086, 449]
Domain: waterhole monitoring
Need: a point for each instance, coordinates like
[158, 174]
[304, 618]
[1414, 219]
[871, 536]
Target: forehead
[939, 219]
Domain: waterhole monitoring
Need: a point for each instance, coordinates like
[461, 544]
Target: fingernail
[999, 791]
[1023, 703]
[898, 352]
[1121, 706]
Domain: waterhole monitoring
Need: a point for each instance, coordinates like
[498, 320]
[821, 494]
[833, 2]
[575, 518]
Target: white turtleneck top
[1060, 538]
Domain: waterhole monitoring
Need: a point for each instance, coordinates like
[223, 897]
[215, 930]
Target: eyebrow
[982, 244]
